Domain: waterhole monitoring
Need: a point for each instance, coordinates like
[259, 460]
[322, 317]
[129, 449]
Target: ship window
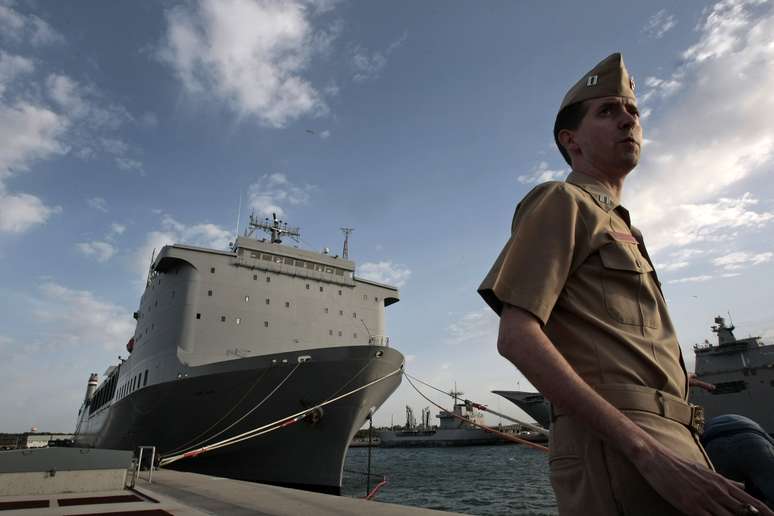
[145, 380]
[265, 324]
[255, 277]
[277, 259]
[288, 261]
[198, 316]
[376, 299]
[266, 257]
[268, 279]
[339, 272]
[255, 255]
[326, 310]
[310, 265]
[153, 326]
[209, 292]
[365, 297]
[268, 301]
[307, 286]
[330, 332]
[321, 289]
[156, 303]
[318, 267]
[354, 315]
[339, 292]
[238, 320]
[339, 333]
[354, 335]
[287, 304]
[173, 294]
[300, 263]
[247, 299]
[329, 270]
[222, 318]
[212, 270]
[341, 312]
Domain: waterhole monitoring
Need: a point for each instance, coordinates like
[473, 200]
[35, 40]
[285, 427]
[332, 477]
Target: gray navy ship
[455, 429]
[742, 371]
[229, 341]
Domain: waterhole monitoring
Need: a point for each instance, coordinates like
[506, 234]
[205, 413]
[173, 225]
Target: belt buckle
[697, 419]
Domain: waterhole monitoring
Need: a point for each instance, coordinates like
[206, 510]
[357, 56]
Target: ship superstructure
[226, 341]
[742, 371]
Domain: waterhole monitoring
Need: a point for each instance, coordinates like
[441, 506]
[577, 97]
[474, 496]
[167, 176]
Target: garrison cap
[608, 79]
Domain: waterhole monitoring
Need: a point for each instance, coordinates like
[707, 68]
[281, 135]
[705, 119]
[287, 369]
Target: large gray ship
[742, 371]
[230, 341]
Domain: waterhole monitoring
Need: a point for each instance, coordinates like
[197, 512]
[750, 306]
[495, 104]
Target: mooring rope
[508, 437]
[270, 427]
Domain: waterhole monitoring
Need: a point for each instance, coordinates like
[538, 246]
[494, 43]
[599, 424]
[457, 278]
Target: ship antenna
[730, 319]
[239, 213]
[347, 232]
[275, 227]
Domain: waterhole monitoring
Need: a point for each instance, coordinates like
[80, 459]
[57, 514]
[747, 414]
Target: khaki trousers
[592, 479]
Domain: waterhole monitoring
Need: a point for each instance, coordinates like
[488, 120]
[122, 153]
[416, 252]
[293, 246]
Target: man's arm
[689, 487]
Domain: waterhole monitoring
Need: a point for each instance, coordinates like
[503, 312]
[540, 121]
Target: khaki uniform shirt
[575, 262]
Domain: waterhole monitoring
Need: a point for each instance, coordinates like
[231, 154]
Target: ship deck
[191, 494]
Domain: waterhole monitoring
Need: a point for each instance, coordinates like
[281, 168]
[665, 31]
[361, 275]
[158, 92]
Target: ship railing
[379, 340]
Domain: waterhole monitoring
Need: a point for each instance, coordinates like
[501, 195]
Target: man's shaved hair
[569, 118]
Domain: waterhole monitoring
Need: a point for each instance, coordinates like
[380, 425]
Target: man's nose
[627, 120]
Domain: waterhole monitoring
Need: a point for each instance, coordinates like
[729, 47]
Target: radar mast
[275, 227]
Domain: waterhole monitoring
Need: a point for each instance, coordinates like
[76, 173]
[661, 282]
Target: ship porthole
[379, 354]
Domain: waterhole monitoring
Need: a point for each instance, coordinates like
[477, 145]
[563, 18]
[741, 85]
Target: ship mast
[275, 227]
[347, 232]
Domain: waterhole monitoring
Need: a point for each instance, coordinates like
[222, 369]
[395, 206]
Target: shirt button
[637, 263]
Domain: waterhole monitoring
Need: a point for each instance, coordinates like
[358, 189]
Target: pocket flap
[623, 257]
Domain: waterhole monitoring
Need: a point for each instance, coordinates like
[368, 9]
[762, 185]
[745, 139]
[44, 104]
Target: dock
[190, 494]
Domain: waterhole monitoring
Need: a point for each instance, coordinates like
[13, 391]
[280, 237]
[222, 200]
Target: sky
[125, 126]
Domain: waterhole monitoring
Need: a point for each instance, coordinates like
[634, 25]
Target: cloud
[325, 134]
[369, 65]
[249, 54]
[710, 134]
[659, 24]
[173, 232]
[79, 318]
[475, 329]
[129, 164]
[18, 26]
[384, 272]
[100, 251]
[20, 212]
[740, 260]
[672, 266]
[272, 191]
[98, 203]
[12, 66]
[691, 279]
[541, 174]
[117, 229]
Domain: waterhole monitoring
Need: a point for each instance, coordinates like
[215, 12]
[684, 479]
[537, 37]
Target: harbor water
[480, 480]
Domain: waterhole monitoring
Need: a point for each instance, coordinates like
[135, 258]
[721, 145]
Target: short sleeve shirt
[575, 262]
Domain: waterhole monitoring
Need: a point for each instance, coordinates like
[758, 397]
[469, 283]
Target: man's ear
[567, 140]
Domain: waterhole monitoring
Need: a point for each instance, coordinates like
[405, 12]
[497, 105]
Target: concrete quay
[190, 494]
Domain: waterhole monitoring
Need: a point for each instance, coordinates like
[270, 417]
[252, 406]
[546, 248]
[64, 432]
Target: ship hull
[737, 393]
[210, 403]
[439, 438]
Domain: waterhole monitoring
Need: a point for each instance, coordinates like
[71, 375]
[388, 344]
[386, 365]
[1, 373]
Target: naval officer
[583, 317]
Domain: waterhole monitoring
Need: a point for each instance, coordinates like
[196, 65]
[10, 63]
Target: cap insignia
[592, 80]
[631, 82]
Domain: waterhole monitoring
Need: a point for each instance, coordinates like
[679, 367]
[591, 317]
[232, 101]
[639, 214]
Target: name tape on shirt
[624, 237]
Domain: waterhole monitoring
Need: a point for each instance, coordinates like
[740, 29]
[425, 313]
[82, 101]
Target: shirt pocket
[623, 283]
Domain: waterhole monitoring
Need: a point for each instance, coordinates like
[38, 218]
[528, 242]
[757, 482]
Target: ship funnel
[91, 386]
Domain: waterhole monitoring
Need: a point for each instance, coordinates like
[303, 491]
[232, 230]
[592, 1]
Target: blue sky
[125, 126]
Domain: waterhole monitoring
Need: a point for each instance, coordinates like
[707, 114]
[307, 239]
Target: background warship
[452, 431]
[742, 371]
[229, 341]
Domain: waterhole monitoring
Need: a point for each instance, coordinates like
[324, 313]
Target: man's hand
[693, 381]
[692, 488]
